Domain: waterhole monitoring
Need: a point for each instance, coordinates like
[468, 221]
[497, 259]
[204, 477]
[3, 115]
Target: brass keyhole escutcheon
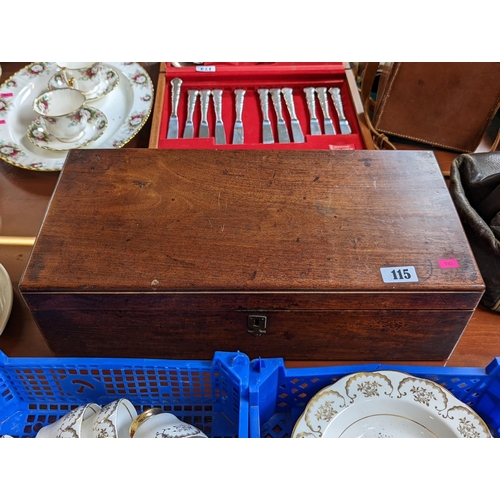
[256, 324]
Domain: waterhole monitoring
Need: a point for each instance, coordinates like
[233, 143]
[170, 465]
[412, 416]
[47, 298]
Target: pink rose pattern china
[127, 108]
[109, 82]
[96, 126]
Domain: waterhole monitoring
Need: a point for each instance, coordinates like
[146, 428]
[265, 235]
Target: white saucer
[109, 82]
[6, 298]
[96, 125]
[387, 404]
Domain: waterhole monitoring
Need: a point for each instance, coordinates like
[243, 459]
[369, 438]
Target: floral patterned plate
[127, 109]
[387, 404]
[96, 126]
[110, 81]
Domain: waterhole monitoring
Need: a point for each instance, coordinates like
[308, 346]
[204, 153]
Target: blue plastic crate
[212, 395]
[278, 395]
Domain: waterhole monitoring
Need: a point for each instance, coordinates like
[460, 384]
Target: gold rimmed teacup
[155, 423]
[114, 420]
[110, 79]
[97, 123]
[72, 424]
[83, 76]
[61, 111]
[140, 419]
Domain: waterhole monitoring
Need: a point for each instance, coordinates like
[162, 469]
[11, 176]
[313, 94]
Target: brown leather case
[448, 105]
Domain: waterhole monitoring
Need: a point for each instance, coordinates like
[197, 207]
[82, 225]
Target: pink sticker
[447, 263]
[2, 122]
[9, 94]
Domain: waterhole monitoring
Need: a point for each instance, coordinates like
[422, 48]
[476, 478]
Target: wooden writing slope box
[178, 253]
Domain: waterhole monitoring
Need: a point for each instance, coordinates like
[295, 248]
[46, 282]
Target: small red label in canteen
[448, 263]
[7, 94]
[2, 122]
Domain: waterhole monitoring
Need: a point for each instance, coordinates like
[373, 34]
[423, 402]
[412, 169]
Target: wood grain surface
[151, 220]
[161, 239]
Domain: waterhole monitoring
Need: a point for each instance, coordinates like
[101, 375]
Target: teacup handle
[68, 81]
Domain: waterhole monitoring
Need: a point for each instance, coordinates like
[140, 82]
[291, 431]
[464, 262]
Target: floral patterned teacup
[83, 76]
[71, 425]
[62, 113]
[113, 421]
[154, 423]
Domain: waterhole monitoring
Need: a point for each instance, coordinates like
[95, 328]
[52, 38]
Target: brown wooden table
[24, 196]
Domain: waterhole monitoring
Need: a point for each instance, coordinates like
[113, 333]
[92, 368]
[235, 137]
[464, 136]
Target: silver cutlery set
[267, 131]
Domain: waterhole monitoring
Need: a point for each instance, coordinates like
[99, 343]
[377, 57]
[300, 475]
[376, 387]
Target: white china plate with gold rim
[127, 109]
[6, 298]
[387, 404]
[96, 126]
[110, 80]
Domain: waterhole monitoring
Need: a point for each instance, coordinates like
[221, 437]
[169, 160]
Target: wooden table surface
[24, 196]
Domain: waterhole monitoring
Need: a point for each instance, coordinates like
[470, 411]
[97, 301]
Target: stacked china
[65, 120]
[118, 419]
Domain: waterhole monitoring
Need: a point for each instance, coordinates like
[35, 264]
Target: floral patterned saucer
[96, 126]
[109, 82]
[127, 109]
[387, 404]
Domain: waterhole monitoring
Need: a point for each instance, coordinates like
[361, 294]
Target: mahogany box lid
[267, 224]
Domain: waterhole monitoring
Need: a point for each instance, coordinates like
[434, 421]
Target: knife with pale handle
[311, 105]
[220, 133]
[337, 101]
[189, 127]
[204, 102]
[297, 134]
[267, 131]
[323, 101]
[173, 124]
[283, 136]
[238, 136]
